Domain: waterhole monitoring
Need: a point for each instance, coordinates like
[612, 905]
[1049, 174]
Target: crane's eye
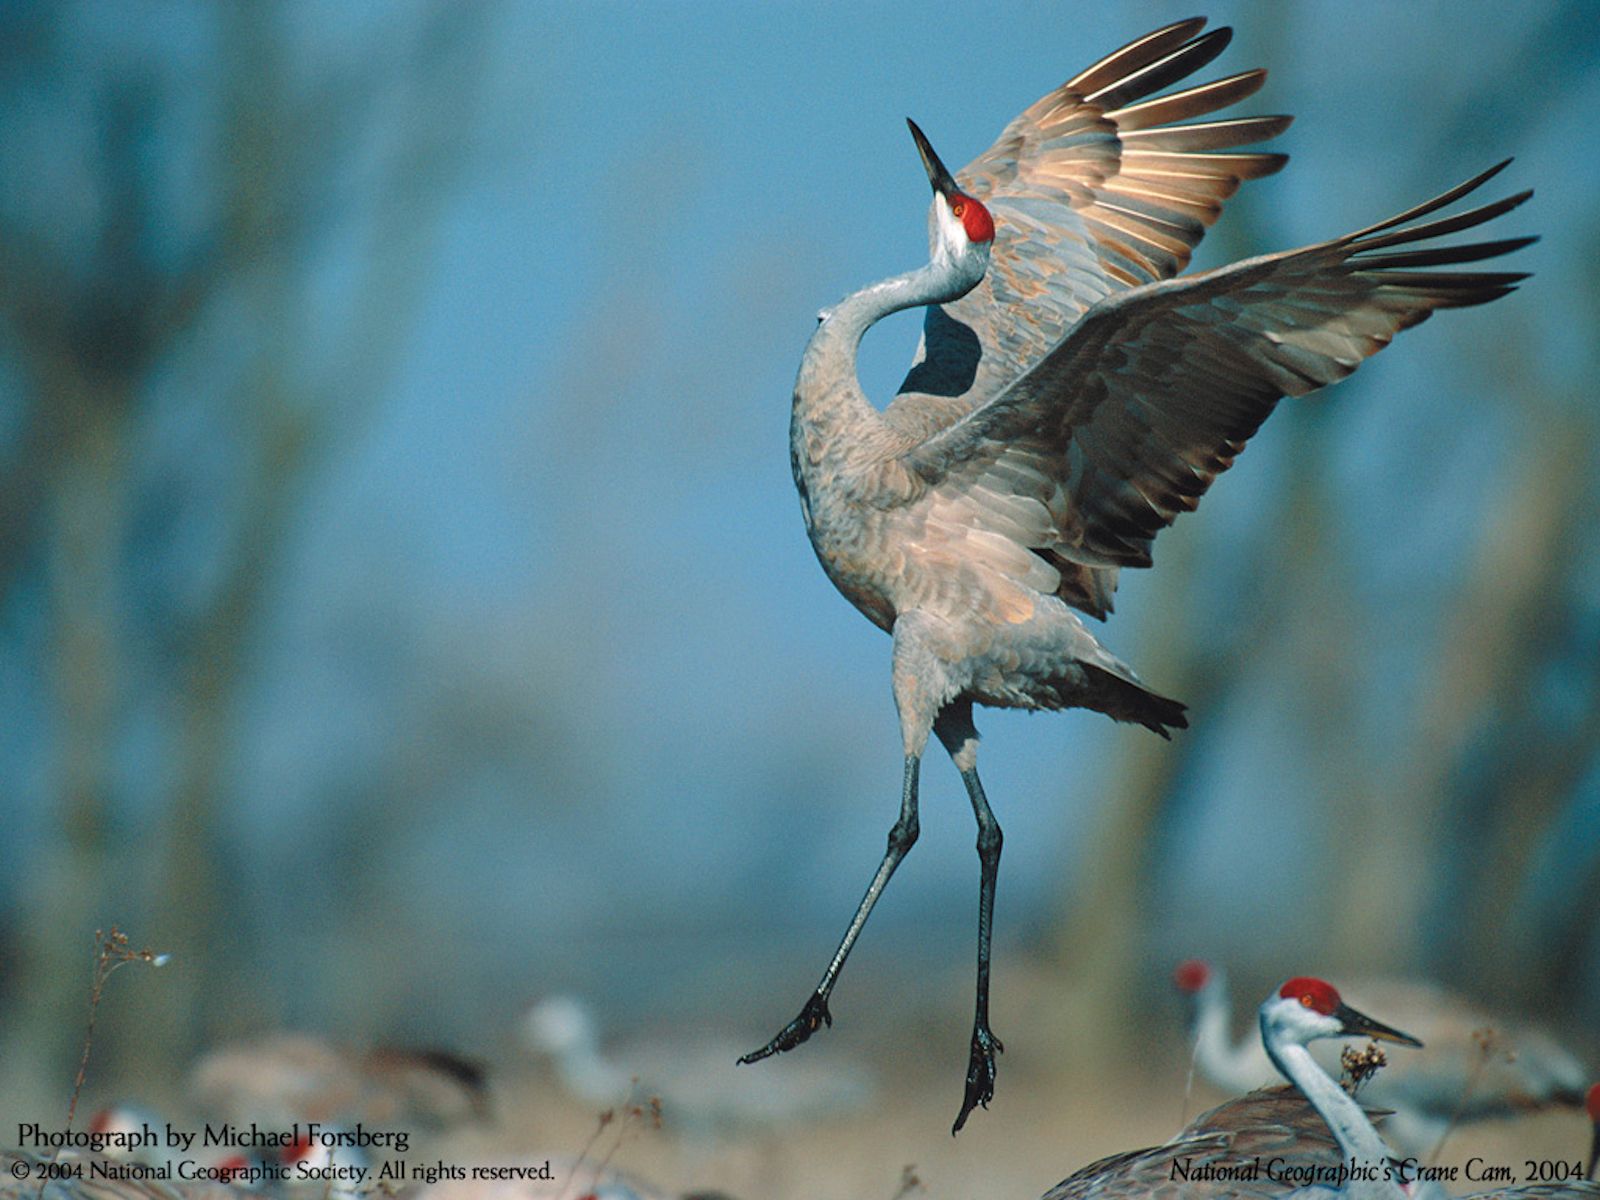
[958, 208]
[1306, 1001]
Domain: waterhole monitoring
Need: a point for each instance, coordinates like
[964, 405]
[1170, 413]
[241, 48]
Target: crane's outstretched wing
[1093, 451]
[1092, 191]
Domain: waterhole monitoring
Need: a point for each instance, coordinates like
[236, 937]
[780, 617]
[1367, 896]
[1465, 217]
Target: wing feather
[1127, 420]
[1092, 193]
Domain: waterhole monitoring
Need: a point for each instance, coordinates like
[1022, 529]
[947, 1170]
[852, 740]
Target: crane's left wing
[1093, 191]
[1128, 420]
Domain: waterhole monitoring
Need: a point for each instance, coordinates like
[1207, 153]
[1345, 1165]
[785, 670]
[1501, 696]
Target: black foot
[812, 1018]
[980, 1074]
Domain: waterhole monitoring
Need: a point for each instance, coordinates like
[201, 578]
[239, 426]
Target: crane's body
[1477, 1066]
[1069, 399]
[1218, 1155]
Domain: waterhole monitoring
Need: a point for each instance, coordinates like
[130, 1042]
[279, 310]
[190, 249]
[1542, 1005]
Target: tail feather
[1124, 700]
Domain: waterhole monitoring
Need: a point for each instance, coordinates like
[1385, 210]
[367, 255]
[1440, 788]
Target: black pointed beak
[1358, 1024]
[943, 182]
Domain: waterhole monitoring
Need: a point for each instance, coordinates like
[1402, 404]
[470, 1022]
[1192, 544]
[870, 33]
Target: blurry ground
[1056, 1107]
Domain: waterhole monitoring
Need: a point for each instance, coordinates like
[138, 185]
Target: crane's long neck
[1233, 1065]
[1350, 1126]
[830, 409]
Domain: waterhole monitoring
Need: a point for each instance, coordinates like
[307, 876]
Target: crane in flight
[1069, 399]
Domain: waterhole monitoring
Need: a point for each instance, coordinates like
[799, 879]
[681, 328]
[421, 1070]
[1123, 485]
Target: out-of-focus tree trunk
[1488, 654]
[84, 506]
[296, 420]
[90, 319]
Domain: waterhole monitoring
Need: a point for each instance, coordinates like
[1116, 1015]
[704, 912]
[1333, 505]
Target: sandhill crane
[1306, 1008]
[701, 1090]
[1223, 1153]
[1218, 1154]
[1477, 1066]
[1069, 399]
[287, 1077]
[1299, 1012]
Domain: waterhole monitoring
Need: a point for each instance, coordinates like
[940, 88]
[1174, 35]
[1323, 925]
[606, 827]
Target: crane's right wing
[1127, 422]
[1092, 190]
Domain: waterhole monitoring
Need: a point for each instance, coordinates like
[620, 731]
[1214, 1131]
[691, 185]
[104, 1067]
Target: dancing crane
[1069, 399]
[1477, 1066]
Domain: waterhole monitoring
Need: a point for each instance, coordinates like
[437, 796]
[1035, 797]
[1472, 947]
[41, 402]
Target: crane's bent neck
[830, 409]
[1350, 1126]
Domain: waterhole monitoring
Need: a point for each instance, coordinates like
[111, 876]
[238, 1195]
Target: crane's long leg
[959, 735]
[815, 1013]
[981, 1065]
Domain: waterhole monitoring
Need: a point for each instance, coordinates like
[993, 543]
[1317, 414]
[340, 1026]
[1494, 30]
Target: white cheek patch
[951, 234]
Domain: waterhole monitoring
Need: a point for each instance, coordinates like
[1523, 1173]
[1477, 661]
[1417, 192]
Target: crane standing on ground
[1219, 1155]
[1304, 1009]
[1310, 1141]
[1069, 399]
[1477, 1066]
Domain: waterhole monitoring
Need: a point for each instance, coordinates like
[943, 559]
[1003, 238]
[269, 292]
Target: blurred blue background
[404, 608]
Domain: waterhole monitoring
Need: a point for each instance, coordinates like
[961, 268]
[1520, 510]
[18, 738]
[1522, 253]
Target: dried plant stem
[111, 952]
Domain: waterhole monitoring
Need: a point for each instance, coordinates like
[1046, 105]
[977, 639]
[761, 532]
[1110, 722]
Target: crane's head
[961, 224]
[1305, 1009]
[1192, 975]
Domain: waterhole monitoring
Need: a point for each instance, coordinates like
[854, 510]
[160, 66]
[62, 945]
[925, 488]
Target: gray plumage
[1220, 1153]
[1070, 398]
